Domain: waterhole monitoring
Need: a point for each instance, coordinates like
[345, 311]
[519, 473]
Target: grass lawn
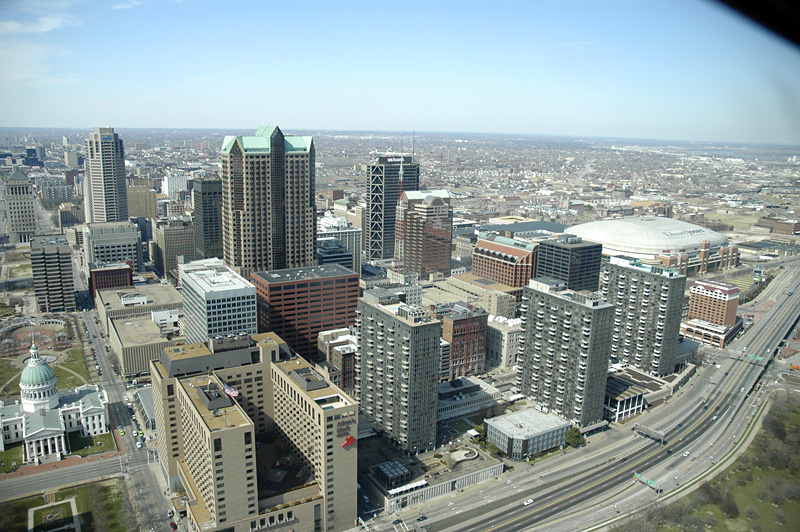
[6, 310]
[102, 506]
[92, 445]
[52, 517]
[14, 515]
[66, 379]
[11, 457]
[10, 257]
[23, 270]
[21, 285]
[738, 221]
[7, 371]
[76, 362]
[743, 282]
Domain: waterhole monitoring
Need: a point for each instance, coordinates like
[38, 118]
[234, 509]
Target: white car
[529, 501]
[686, 453]
[138, 445]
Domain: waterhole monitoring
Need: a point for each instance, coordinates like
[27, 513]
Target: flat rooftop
[139, 330]
[156, 294]
[321, 391]
[527, 423]
[303, 274]
[228, 415]
[214, 280]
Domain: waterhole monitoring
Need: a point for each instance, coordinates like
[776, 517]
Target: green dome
[37, 374]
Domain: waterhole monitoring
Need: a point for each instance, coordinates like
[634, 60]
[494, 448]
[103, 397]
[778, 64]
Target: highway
[573, 492]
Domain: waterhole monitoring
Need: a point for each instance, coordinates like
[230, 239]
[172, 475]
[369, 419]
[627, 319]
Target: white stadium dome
[646, 237]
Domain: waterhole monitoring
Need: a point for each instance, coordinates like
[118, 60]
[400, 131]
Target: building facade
[392, 175]
[104, 194]
[571, 260]
[20, 208]
[712, 318]
[142, 201]
[297, 304]
[172, 238]
[503, 340]
[51, 264]
[217, 302]
[113, 242]
[523, 434]
[464, 326]
[564, 358]
[268, 210]
[207, 217]
[350, 236]
[397, 370]
[505, 260]
[648, 301]
[424, 232]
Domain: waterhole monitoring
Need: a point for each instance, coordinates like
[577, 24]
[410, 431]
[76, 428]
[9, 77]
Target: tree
[574, 437]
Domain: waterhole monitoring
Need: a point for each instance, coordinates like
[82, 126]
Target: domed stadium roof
[37, 372]
[647, 237]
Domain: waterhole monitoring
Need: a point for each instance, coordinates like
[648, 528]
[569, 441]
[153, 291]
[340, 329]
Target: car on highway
[122, 432]
[686, 453]
[624, 458]
[529, 501]
[421, 518]
[173, 526]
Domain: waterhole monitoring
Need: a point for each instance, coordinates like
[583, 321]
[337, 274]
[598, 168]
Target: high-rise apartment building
[212, 400]
[217, 302]
[712, 315]
[505, 260]
[268, 210]
[397, 370]
[104, 193]
[424, 231]
[172, 238]
[571, 260]
[298, 303]
[20, 208]
[387, 180]
[647, 313]
[51, 263]
[564, 359]
[207, 217]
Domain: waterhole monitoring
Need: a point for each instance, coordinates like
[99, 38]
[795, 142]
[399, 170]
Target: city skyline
[684, 71]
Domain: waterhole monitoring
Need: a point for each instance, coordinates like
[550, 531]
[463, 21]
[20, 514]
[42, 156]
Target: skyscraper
[564, 358]
[51, 263]
[423, 233]
[207, 195]
[268, 210]
[647, 315]
[387, 180]
[397, 369]
[571, 260]
[105, 194]
[20, 208]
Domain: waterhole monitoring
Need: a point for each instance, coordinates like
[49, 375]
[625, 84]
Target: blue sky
[684, 70]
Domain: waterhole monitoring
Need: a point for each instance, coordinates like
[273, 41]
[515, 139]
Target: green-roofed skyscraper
[268, 212]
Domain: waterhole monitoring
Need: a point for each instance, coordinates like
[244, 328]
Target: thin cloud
[127, 5]
[41, 25]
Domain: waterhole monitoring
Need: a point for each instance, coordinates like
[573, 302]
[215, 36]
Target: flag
[231, 391]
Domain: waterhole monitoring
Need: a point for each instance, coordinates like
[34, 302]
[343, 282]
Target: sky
[675, 70]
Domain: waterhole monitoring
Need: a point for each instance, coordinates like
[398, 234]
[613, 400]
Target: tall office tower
[505, 260]
[172, 238]
[51, 263]
[258, 387]
[397, 370]
[712, 315]
[424, 232]
[20, 208]
[104, 193]
[387, 180]
[113, 242]
[564, 358]
[647, 313]
[329, 226]
[217, 302]
[299, 303]
[207, 199]
[464, 326]
[268, 210]
[571, 260]
[142, 201]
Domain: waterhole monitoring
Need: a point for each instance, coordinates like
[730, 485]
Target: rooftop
[139, 330]
[216, 418]
[215, 280]
[260, 142]
[527, 423]
[302, 274]
[156, 294]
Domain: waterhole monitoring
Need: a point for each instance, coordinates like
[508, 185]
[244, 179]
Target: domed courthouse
[42, 417]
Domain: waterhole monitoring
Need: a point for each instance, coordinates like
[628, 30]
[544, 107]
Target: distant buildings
[268, 212]
[397, 370]
[424, 232]
[20, 203]
[51, 263]
[217, 302]
[297, 304]
[105, 195]
[349, 236]
[712, 315]
[571, 260]
[392, 175]
[564, 359]
[648, 301]
[207, 217]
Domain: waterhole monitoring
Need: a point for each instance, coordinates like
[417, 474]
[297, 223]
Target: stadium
[690, 248]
